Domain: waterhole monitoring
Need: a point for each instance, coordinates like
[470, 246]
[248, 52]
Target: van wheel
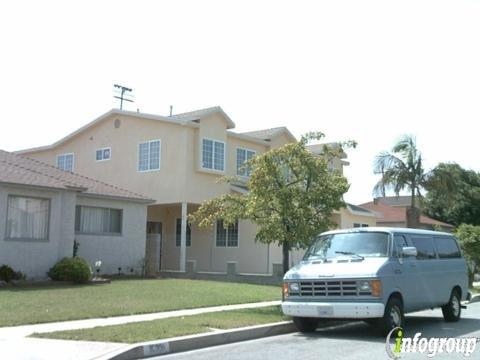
[393, 316]
[453, 310]
[305, 325]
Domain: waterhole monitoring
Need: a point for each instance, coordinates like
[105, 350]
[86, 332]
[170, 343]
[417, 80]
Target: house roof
[17, 169]
[392, 214]
[269, 134]
[188, 118]
[401, 200]
[201, 113]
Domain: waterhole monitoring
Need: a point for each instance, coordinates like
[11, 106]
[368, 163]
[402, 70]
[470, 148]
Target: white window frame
[103, 149]
[186, 237]
[47, 238]
[213, 155]
[73, 161]
[236, 159]
[159, 155]
[226, 240]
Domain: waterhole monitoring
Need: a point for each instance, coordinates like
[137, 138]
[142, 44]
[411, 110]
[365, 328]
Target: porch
[175, 246]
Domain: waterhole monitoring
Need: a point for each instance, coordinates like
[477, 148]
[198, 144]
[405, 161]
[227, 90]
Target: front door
[154, 230]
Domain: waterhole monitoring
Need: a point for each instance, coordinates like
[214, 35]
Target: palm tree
[402, 169]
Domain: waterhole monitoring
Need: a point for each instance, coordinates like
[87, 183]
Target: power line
[124, 94]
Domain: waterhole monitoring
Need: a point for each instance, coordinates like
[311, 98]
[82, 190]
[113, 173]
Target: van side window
[447, 247]
[399, 242]
[424, 247]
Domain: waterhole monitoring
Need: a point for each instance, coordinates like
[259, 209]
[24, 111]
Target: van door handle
[398, 271]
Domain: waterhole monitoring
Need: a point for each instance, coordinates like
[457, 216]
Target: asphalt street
[347, 341]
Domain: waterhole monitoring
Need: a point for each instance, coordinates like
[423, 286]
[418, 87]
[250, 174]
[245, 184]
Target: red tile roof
[387, 213]
[17, 169]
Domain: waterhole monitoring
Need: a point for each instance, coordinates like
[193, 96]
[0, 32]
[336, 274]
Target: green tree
[469, 239]
[291, 196]
[402, 169]
[453, 195]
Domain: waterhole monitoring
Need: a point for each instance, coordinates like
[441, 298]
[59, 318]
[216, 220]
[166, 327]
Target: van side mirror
[409, 251]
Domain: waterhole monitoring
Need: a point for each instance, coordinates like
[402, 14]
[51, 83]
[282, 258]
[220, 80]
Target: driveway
[348, 341]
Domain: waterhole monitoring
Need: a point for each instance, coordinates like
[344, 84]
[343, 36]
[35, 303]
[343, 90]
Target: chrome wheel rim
[455, 305]
[395, 316]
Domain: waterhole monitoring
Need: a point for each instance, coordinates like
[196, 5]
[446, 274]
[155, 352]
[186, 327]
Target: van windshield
[356, 244]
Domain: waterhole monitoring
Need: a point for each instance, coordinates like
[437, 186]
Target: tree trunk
[286, 256]
[413, 214]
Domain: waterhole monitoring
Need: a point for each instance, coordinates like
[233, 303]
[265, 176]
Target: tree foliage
[401, 169]
[469, 239]
[291, 195]
[453, 195]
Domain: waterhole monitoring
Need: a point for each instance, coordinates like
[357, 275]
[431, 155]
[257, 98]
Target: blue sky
[363, 70]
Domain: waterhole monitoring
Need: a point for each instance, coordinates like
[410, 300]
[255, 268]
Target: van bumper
[350, 310]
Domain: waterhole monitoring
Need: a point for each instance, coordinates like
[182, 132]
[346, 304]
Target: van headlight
[294, 287]
[374, 287]
[364, 286]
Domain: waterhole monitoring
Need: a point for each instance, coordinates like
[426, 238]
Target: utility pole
[123, 94]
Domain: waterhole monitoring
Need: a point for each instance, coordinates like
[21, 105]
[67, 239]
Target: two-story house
[177, 160]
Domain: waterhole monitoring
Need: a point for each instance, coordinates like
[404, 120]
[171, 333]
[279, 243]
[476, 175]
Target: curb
[474, 299]
[194, 342]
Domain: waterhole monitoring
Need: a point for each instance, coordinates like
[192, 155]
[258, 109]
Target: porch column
[183, 238]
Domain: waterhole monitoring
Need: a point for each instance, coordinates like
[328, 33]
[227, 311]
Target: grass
[171, 327]
[32, 305]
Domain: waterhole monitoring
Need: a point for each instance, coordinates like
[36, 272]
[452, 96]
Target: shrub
[7, 274]
[74, 269]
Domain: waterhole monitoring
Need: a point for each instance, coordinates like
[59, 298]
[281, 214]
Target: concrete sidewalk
[14, 344]
[25, 330]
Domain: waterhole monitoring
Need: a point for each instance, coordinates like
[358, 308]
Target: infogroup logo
[428, 346]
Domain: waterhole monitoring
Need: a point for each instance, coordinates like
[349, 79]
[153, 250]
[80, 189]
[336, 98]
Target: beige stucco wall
[126, 250]
[35, 258]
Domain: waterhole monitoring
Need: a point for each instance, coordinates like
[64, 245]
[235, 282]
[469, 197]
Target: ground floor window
[226, 236]
[27, 218]
[178, 233]
[356, 225]
[98, 220]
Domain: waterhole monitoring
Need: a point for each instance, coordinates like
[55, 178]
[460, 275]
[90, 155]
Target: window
[65, 162]
[226, 236]
[178, 233]
[399, 242]
[27, 218]
[149, 155]
[357, 225]
[103, 154]
[424, 247]
[242, 156]
[447, 248]
[97, 220]
[213, 155]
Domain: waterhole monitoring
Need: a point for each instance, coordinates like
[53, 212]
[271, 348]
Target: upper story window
[149, 155]
[213, 155]
[242, 156]
[27, 218]
[178, 233]
[103, 154]
[357, 225]
[226, 236]
[98, 220]
[65, 162]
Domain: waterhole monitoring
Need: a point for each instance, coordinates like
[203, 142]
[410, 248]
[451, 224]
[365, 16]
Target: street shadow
[428, 326]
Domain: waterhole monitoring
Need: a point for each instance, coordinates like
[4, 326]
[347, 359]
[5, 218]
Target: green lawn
[31, 305]
[166, 328]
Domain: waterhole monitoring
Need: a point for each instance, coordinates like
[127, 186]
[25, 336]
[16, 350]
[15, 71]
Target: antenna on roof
[122, 93]
[171, 110]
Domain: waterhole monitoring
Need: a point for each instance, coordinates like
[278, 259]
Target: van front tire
[393, 316]
[305, 325]
[453, 310]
